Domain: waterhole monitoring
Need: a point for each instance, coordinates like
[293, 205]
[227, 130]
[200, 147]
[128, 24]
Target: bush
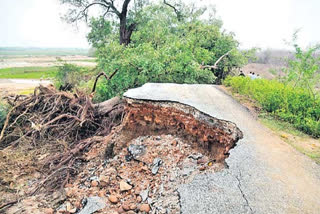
[70, 76]
[286, 102]
[3, 113]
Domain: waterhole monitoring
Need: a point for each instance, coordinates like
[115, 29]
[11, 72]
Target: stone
[93, 204]
[133, 206]
[187, 170]
[124, 186]
[196, 156]
[144, 194]
[70, 208]
[156, 165]
[144, 208]
[126, 206]
[135, 151]
[94, 183]
[113, 199]
[103, 184]
[120, 210]
[139, 199]
[48, 211]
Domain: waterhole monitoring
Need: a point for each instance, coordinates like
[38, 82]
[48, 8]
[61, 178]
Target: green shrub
[3, 113]
[286, 102]
[70, 76]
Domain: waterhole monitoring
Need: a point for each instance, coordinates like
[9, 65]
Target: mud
[209, 135]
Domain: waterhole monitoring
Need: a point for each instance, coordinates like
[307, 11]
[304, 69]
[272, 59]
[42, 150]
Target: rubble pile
[143, 177]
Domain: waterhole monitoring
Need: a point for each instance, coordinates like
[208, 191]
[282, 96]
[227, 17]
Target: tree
[166, 49]
[79, 10]
[303, 69]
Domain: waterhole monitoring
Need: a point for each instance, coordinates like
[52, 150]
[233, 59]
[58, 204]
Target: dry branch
[215, 66]
[105, 75]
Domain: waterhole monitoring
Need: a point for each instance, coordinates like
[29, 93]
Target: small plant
[3, 113]
[69, 76]
[303, 69]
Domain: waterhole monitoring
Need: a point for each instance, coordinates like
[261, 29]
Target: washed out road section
[264, 174]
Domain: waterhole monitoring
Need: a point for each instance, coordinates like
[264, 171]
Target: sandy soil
[16, 86]
[45, 61]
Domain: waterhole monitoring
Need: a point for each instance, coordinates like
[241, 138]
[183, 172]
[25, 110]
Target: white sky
[256, 23]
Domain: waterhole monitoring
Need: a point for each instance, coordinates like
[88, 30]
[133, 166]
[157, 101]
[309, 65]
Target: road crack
[241, 191]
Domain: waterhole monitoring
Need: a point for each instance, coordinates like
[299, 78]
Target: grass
[28, 73]
[302, 142]
[297, 139]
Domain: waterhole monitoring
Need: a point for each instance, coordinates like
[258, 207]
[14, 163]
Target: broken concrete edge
[214, 136]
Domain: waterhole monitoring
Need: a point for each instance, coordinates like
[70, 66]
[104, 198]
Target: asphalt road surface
[264, 174]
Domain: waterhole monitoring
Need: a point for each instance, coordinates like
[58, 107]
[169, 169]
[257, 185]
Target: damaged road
[165, 148]
[264, 174]
[134, 162]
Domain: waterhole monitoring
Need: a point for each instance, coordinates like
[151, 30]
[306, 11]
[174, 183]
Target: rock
[144, 194]
[124, 186]
[187, 170]
[133, 206]
[126, 206]
[196, 156]
[113, 199]
[62, 208]
[103, 184]
[120, 210]
[102, 193]
[48, 211]
[93, 204]
[202, 160]
[139, 199]
[70, 209]
[94, 183]
[156, 165]
[144, 208]
[135, 151]
[202, 168]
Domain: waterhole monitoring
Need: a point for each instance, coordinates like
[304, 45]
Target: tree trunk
[125, 31]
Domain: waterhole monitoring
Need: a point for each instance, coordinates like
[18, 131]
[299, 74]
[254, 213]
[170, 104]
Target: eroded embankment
[136, 168]
[209, 135]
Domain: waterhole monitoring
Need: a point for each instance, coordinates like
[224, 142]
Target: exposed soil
[137, 168]
[18, 86]
[45, 61]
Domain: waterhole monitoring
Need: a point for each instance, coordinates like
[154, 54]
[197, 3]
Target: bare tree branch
[215, 66]
[178, 12]
[105, 75]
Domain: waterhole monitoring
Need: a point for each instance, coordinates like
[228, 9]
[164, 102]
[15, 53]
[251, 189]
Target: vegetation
[164, 48]
[299, 140]
[286, 102]
[28, 73]
[294, 98]
[3, 113]
[69, 76]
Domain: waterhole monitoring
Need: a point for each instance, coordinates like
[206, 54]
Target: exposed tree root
[68, 124]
